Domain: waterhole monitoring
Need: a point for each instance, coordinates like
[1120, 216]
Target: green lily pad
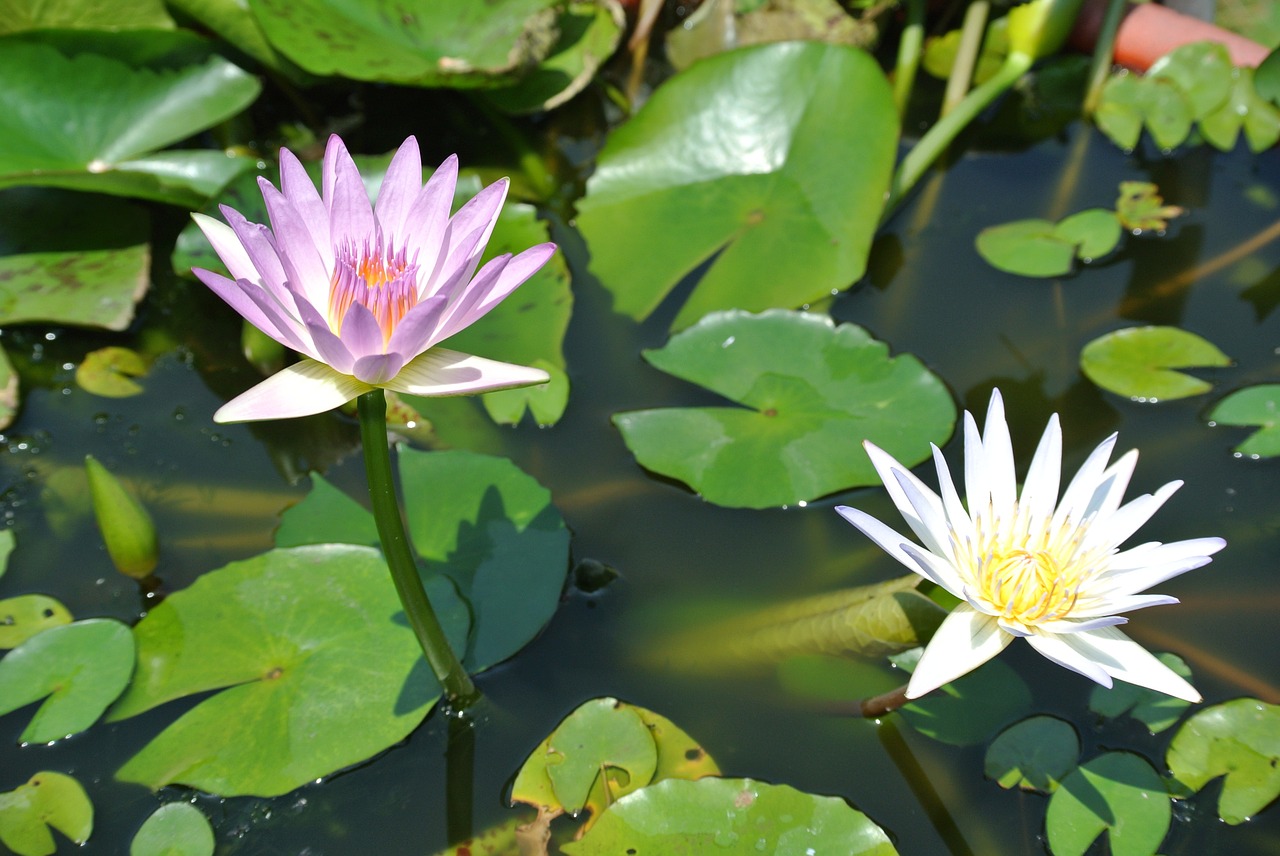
[811, 393]
[110, 372]
[8, 390]
[1034, 754]
[1254, 406]
[234, 23]
[26, 615]
[733, 817]
[1244, 108]
[175, 829]
[442, 43]
[315, 665]
[87, 110]
[7, 542]
[1202, 70]
[47, 801]
[1139, 362]
[81, 667]
[19, 15]
[1130, 102]
[730, 165]
[1140, 207]
[1044, 249]
[476, 520]
[1093, 232]
[1266, 78]
[588, 35]
[1117, 793]
[1239, 739]
[1153, 709]
[971, 708]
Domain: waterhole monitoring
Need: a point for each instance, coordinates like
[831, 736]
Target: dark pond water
[216, 490]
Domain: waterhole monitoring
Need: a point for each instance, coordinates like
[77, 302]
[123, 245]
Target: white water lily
[1030, 565]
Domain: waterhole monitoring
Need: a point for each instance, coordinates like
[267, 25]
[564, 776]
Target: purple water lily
[366, 292]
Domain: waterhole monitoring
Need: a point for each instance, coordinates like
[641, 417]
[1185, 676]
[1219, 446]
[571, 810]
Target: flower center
[1029, 586]
[377, 276]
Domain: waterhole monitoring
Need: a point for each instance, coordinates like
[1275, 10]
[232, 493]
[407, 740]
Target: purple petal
[254, 306]
[334, 151]
[468, 295]
[261, 249]
[361, 332]
[417, 329]
[300, 390]
[428, 218]
[228, 247]
[469, 230]
[350, 214]
[440, 371]
[301, 192]
[377, 368]
[306, 272]
[515, 274]
[400, 187]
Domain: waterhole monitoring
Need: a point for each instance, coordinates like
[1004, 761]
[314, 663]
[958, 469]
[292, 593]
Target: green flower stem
[458, 688]
[1103, 51]
[945, 130]
[971, 33]
[904, 73]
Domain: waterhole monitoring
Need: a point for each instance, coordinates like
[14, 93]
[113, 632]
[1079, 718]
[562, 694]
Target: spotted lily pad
[475, 520]
[26, 615]
[315, 667]
[1239, 739]
[730, 165]
[175, 829]
[1034, 754]
[810, 393]
[1153, 709]
[1139, 362]
[733, 817]
[1254, 406]
[1117, 793]
[47, 801]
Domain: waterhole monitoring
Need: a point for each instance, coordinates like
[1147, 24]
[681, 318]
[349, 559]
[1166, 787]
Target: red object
[1149, 31]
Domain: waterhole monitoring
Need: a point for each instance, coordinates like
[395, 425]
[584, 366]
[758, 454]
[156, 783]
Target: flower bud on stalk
[126, 526]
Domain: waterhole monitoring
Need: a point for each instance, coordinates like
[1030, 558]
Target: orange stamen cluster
[380, 278]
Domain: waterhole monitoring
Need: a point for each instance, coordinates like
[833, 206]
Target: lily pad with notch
[1140, 362]
[808, 392]
[1255, 406]
[1117, 793]
[1034, 754]
[1238, 739]
[1041, 248]
[47, 801]
[174, 829]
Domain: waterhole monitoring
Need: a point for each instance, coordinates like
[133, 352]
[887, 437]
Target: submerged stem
[458, 688]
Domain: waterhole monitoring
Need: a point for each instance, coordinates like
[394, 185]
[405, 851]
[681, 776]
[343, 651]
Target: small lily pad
[81, 667]
[1130, 102]
[1239, 739]
[1153, 709]
[1043, 249]
[971, 708]
[47, 801]
[175, 829]
[1139, 362]
[1202, 70]
[1034, 754]
[810, 393]
[733, 817]
[1117, 793]
[1140, 207]
[1093, 232]
[26, 615]
[110, 372]
[1253, 406]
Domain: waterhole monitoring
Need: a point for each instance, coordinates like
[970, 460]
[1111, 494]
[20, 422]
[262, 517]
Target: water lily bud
[125, 525]
[1038, 29]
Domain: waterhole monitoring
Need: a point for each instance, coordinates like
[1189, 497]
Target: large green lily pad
[733, 817]
[810, 391]
[441, 43]
[732, 164]
[1253, 406]
[1139, 362]
[1239, 739]
[316, 666]
[476, 520]
[47, 801]
[88, 110]
[81, 667]
[1117, 792]
[19, 15]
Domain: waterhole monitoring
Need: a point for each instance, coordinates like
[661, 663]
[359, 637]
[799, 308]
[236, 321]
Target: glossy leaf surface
[47, 801]
[1141, 362]
[1253, 406]
[1238, 739]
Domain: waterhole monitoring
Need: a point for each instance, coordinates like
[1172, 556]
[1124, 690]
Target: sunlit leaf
[315, 666]
[1117, 793]
[734, 817]
[1026, 248]
[110, 372]
[125, 524]
[234, 22]
[81, 667]
[940, 52]
[1140, 207]
[1153, 709]
[1139, 362]
[1093, 232]
[442, 43]
[26, 615]
[971, 708]
[810, 393]
[1253, 406]
[19, 15]
[47, 801]
[7, 542]
[175, 829]
[1202, 70]
[1130, 102]
[1034, 754]
[1244, 108]
[1239, 739]
[730, 165]
[1266, 79]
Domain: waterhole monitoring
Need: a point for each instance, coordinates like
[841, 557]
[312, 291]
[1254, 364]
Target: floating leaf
[1140, 207]
[730, 164]
[971, 708]
[940, 52]
[16, 17]
[316, 668]
[1244, 108]
[110, 371]
[1153, 709]
[811, 393]
[1043, 249]
[1239, 739]
[234, 23]
[7, 542]
[8, 389]
[475, 519]
[175, 829]
[1118, 793]
[442, 43]
[1255, 405]
[1129, 102]
[1138, 362]
[734, 817]
[1202, 70]
[1034, 754]
[26, 615]
[81, 667]
[47, 801]
[86, 111]
[1093, 232]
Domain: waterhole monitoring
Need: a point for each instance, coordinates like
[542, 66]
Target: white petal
[1112, 484]
[928, 508]
[964, 641]
[1081, 489]
[1109, 532]
[1061, 651]
[886, 467]
[937, 569]
[1086, 607]
[227, 246]
[958, 520]
[977, 493]
[301, 389]
[1040, 490]
[440, 371]
[997, 447]
[1125, 659]
[886, 538]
